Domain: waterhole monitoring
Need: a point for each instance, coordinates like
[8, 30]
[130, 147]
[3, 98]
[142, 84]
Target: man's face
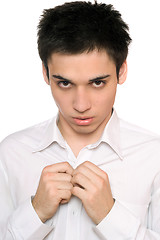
[84, 88]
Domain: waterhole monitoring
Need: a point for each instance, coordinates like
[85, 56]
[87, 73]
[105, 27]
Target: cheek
[62, 101]
[105, 100]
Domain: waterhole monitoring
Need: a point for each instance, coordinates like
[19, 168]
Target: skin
[95, 192]
[79, 95]
[54, 188]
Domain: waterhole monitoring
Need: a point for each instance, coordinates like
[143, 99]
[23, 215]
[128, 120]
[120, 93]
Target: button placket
[73, 219]
[84, 155]
[70, 155]
[74, 210]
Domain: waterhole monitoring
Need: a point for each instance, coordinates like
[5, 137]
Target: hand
[54, 188]
[91, 185]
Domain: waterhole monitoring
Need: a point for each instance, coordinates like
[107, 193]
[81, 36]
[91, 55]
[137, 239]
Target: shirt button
[74, 213]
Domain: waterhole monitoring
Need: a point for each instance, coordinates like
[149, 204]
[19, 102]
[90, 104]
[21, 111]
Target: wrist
[38, 212]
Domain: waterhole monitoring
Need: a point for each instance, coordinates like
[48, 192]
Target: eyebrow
[91, 80]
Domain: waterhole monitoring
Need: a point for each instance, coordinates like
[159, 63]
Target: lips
[83, 121]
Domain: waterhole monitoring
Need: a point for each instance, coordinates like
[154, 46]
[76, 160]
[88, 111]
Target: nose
[81, 101]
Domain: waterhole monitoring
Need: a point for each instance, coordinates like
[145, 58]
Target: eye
[98, 83]
[64, 84]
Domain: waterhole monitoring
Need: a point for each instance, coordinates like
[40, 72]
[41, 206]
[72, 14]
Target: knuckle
[101, 183]
[79, 168]
[45, 169]
[69, 194]
[68, 167]
[66, 164]
[105, 176]
[70, 186]
[86, 163]
[77, 176]
[46, 176]
[69, 178]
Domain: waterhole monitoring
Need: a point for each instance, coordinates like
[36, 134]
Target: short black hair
[77, 27]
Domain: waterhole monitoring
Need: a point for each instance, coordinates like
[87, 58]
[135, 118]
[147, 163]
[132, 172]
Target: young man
[84, 174]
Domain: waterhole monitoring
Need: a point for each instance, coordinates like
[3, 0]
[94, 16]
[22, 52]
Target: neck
[78, 140]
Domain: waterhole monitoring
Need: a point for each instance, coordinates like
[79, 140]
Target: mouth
[83, 121]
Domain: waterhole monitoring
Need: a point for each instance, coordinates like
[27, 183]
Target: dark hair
[81, 26]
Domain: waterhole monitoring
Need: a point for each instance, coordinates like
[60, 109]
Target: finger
[63, 201]
[93, 177]
[52, 176]
[82, 181]
[63, 167]
[64, 195]
[95, 169]
[79, 192]
[61, 185]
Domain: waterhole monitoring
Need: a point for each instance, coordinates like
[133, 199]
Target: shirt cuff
[24, 223]
[120, 224]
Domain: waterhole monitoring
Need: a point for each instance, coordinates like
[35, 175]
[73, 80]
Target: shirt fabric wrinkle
[129, 155]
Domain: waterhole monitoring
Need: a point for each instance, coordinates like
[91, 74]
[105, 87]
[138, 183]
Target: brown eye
[64, 84]
[98, 83]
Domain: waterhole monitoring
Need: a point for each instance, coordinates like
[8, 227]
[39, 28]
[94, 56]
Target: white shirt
[129, 155]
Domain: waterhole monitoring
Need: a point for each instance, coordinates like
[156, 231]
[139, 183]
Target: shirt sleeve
[121, 224]
[21, 223]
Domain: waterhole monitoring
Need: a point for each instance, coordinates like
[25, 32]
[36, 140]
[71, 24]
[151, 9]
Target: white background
[25, 99]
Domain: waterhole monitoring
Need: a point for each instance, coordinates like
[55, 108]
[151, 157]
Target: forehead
[83, 66]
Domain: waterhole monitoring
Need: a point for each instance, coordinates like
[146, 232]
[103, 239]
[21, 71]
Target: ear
[123, 73]
[45, 74]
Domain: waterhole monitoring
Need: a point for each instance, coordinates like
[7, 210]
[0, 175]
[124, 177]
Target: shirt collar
[110, 136]
[51, 134]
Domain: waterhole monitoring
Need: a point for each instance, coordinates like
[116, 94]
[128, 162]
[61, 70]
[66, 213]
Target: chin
[84, 130]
